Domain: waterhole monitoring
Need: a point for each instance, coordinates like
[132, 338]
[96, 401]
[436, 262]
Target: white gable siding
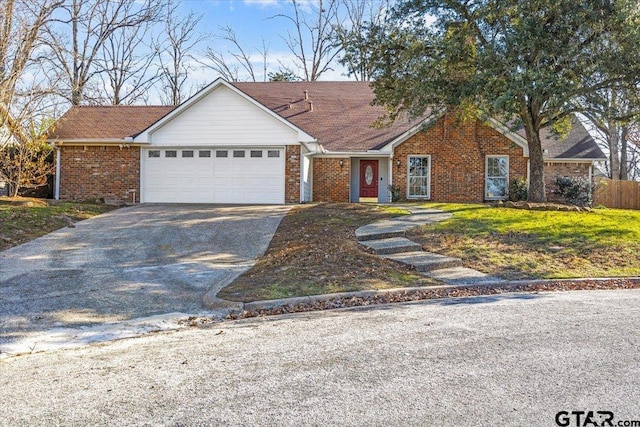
[223, 118]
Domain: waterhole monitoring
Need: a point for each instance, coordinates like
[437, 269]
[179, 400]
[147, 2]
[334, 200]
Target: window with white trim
[496, 177]
[154, 153]
[419, 177]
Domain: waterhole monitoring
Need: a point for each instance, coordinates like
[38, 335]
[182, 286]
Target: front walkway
[387, 239]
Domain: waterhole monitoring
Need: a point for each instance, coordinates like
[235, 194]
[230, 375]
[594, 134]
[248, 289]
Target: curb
[263, 307]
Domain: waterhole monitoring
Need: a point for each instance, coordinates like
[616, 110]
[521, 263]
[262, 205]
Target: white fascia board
[145, 135]
[503, 129]
[574, 160]
[343, 154]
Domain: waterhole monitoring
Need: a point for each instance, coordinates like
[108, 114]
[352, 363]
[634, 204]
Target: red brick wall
[458, 153]
[330, 180]
[552, 170]
[292, 174]
[99, 172]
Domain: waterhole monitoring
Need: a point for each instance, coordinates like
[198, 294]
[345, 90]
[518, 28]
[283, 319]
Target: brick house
[291, 142]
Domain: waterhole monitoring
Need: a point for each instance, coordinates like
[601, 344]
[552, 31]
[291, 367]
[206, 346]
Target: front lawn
[23, 219]
[314, 251]
[520, 244]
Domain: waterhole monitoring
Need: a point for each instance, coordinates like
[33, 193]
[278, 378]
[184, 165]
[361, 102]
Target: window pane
[497, 167]
[273, 153]
[171, 153]
[419, 176]
[496, 187]
[238, 153]
[187, 153]
[154, 153]
[204, 153]
[256, 153]
[222, 153]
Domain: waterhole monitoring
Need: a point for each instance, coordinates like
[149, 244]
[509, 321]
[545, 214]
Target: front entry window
[497, 177]
[418, 181]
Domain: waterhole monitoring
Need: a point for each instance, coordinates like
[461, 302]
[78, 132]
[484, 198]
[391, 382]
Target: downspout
[390, 183]
[57, 185]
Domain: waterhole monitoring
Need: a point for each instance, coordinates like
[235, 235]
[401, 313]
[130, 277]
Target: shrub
[396, 193]
[573, 190]
[519, 190]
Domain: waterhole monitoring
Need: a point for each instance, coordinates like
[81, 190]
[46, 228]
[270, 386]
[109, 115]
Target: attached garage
[213, 175]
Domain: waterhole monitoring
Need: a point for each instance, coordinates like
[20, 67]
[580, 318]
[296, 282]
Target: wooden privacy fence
[613, 193]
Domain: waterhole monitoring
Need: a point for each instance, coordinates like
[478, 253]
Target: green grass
[20, 223]
[517, 243]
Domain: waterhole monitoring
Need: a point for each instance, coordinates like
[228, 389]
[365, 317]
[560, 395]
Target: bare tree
[358, 33]
[311, 41]
[24, 154]
[81, 31]
[126, 64]
[611, 112]
[176, 58]
[21, 25]
[230, 67]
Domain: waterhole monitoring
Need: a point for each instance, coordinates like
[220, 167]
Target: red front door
[368, 178]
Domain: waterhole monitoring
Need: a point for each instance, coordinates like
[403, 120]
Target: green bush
[396, 193]
[519, 190]
[573, 190]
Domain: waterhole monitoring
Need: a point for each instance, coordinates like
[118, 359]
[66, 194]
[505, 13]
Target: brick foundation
[99, 172]
[330, 180]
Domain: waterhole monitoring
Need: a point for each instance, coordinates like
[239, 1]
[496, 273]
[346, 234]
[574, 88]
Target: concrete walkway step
[391, 245]
[463, 276]
[423, 218]
[382, 230]
[425, 261]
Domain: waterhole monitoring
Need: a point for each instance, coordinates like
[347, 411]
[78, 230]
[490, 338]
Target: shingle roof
[578, 144]
[106, 122]
[342, 118]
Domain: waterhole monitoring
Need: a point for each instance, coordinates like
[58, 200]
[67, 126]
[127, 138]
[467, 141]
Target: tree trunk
[614, 151]
[537, 192]
[624, 163]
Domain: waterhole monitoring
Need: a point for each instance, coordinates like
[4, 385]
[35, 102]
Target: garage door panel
[214, 179]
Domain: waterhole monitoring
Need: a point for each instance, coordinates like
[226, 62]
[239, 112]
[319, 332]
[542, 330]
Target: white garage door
[213, 175]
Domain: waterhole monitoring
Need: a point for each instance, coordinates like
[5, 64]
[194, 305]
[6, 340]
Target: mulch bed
[444, 292]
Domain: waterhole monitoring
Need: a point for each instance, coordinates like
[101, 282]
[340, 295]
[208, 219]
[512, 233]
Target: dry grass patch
[314, 251]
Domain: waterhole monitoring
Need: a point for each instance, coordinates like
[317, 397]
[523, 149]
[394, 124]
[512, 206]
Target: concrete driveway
[130, 263]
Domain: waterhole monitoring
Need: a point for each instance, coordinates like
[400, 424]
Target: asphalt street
[508, 360]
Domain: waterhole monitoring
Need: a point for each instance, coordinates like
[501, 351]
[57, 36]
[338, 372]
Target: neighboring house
[292, 142]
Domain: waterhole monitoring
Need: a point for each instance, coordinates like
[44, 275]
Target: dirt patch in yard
[314, 251]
